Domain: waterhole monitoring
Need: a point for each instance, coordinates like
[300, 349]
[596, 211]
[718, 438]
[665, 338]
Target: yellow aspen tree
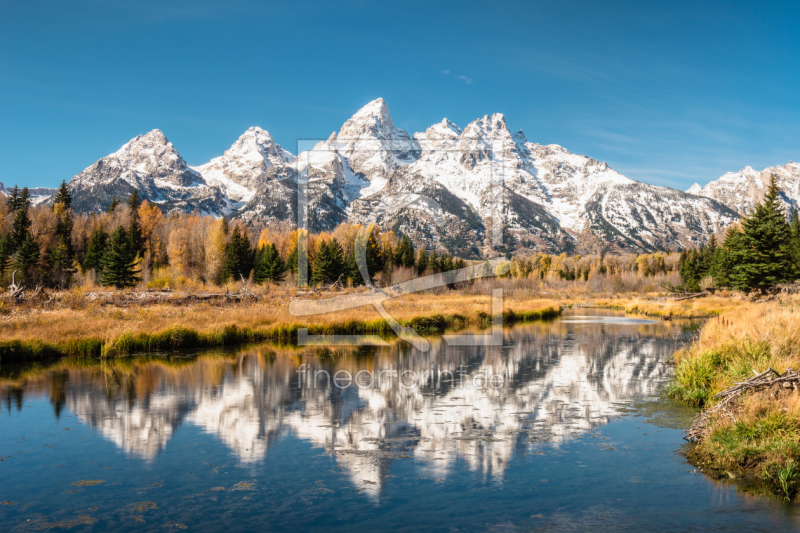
[216, 242]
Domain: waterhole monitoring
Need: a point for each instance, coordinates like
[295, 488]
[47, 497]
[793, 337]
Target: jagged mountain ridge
[444, 187]
[743, 189]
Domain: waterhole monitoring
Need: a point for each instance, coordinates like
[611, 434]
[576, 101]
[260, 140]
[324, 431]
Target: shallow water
[564, 431]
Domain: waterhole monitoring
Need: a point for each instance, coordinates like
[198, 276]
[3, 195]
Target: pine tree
[766, 253]
[64, 196]
[27, 257]
[692, 267]
[95, 250]
[374, 251]
[60, 262]
[136, 244]
[422, 261]
[113, 205]
[117, 268]
[5, 253]
[352, 276]
[328, 263]
[238, 257]
[24, 199]
[795, 237]
[20, 227]
[134, 200]
[434, 263]
[269, 265]
[61, 258]
[404, 253]
[726, 257]
[13, 199]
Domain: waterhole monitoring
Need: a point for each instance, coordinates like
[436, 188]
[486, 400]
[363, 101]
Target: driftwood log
[765, 380]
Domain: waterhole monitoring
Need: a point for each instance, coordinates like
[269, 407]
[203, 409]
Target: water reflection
[559, 379]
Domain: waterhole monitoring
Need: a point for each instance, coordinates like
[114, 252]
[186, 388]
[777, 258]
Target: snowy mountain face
[744, 189]
[460, 190]
[151, 165]
[240, 170]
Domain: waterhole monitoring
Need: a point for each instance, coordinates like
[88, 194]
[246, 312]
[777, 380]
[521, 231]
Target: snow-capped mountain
[460, 190]
[242, 168]
[548, 198]
[152, 166]
[742, 190]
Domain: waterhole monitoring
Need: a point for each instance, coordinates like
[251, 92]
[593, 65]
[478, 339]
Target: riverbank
[106, 331]
[757, 436]
[116, 323]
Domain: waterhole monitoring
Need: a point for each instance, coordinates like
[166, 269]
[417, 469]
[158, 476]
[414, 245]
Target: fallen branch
[761, 381]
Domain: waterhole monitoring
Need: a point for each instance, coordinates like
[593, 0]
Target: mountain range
[472, 191]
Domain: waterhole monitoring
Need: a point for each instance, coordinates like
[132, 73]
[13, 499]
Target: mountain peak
[374, 108]
[372, 120]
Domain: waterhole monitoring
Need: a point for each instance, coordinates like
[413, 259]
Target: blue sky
[668, 93]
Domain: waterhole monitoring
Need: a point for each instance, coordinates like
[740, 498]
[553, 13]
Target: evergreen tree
[404, 253]
[374, 252]
[13, 199]
[20, 227]
[795, 237]
[61, 258]
[95, 249]
[113, 205]
[136, 245]
[726, 257]
[117, 268]
[269, 265]
[434, 264]
[60, 262]
[64, 196]
[352, 276]
[24, 199]
[422, 261]
[27, 257]
[5, 253]
[134, 201]
[328, 263]
[238, 257]
[766, 256]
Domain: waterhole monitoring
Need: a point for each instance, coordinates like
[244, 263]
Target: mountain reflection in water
[560, 379]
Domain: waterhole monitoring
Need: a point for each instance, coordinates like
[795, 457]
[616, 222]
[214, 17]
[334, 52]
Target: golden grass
[761, 437]
[94, 329]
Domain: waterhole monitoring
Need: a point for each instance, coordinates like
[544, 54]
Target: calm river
[559, 429]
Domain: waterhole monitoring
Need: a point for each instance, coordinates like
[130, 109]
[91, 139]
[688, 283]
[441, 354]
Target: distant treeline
[757, 253]
[133, 243]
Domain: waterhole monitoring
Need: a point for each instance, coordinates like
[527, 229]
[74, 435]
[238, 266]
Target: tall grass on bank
[761, 437]
[181, 337]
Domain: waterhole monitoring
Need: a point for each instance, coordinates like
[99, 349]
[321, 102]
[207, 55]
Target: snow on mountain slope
[153, 167]
[240, 170]
[548, 198]
[742, 190]
[446, 187]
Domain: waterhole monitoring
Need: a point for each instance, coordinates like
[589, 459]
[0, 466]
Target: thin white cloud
[465, 79]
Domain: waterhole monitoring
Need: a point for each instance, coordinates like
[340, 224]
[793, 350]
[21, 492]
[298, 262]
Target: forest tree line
[133, 242]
